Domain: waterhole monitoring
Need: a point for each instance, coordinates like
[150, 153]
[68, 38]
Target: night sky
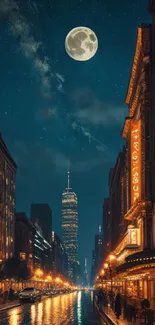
[54, 109]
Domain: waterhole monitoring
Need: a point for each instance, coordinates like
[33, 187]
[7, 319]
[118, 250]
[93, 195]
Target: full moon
[81, 43]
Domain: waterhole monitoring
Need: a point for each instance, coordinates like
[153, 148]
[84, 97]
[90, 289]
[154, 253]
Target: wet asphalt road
[70, 309]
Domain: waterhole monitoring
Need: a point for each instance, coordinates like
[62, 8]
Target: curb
[105, 317]
[9, 307]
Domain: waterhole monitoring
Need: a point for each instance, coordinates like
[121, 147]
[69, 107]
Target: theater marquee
[135, 161]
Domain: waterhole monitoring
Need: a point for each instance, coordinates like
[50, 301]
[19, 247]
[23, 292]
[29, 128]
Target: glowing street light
[66, 284]
[106, 265]
[102, 272]
[49, 278]
[39, 273]
[112, 257]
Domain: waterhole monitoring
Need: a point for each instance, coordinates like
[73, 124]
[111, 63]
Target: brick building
[7, 202]
[24, 239]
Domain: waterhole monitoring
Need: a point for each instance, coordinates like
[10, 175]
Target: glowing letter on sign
[135, 160]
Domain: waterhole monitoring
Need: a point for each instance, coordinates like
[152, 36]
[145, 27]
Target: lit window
[22, 256]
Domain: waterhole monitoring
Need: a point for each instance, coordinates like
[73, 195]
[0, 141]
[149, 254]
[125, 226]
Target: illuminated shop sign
[135, 161]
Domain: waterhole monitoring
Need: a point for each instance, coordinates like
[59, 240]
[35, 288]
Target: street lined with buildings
[33, 255]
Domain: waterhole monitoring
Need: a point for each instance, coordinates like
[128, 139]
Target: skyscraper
[59, 256]
[70, 227]
[42, 213]
[97, 256]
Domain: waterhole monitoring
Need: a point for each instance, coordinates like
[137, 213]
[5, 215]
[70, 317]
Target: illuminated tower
[70, 227]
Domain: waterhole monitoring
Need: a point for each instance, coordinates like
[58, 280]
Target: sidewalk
[108, 313]
[9, 305]
[111, 315]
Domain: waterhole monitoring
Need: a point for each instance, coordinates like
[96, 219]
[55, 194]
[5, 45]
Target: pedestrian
[94, 298]
[5, 296]
[118, 305]
[100, 298]
[11, 294]
[112, 299]
[105, 299]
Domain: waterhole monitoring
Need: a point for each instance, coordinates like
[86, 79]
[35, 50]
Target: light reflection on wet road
[71, 309]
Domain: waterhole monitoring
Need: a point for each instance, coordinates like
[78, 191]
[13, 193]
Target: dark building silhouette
[118, 198]
[7, 202]
[106, 227]
[24, 239]
[93, 270]
[99, 247]
[115, 207]
[42, 213]
[98, 254]
[31, 245]
[59, 256]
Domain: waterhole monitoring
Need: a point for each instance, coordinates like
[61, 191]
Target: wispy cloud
[46, 114]
[7, 6]
[35, 154]
[21, 29]
[80, 128]
[60, 77]
[91, 110]
[60, 80]
[59, 159]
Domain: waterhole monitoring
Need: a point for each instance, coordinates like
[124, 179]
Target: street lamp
[49, 278]
[102, 273]
[109, 266]
[39, 273]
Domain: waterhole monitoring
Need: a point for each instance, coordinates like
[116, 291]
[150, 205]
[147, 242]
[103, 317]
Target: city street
[74, 309]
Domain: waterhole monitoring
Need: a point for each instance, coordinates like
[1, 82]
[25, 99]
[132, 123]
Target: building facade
[106, 227]
[152, 70]
[70, 227]
[7, 202]
[59, 256]
[42, 250]
[42, 213]
[98, 253]
[24, 239]
[93, 271]
[133, 248]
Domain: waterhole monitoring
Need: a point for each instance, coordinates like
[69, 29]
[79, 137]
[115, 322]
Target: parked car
[30, 294]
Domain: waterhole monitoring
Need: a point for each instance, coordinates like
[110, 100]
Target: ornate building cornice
[134, 69]
[126, 127]
[140, 61]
